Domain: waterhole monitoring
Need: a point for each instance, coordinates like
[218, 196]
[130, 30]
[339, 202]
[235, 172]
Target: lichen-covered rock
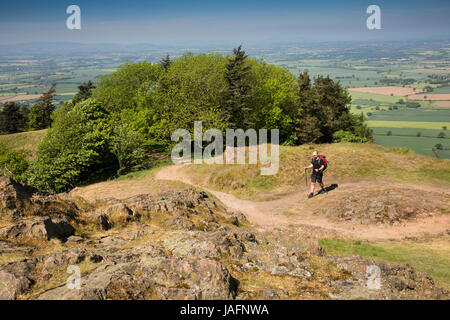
[18, 201]
[11, 286]
[13, 197]
[38, 227]
[148, 273]
[388, 206]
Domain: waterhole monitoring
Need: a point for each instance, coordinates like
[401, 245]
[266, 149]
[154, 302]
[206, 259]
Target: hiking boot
[310, 195]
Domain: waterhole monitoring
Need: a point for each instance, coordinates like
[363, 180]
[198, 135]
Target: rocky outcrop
[12, 286]
[13, 197]
[18, 201]
[39, 227]
[387, 206]
[182, 245]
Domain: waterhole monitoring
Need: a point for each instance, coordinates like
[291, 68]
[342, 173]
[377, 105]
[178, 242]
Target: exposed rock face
[182, 245]
[17, 201]
[147, 274]
[388, 206]
[11, 286]
[185, 203]
[39, 227]
[13, 196]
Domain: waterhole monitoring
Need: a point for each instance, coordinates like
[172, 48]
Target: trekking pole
[306, 180]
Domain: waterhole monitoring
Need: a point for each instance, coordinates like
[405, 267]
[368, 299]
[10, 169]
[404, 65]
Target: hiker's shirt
[317, 164]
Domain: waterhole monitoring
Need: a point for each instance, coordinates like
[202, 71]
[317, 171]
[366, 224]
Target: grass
[24, 140]
[8, 257]
[407, 124]
[432, 256]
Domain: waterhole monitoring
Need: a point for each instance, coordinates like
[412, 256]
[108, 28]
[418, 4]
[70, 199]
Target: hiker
[318, 166]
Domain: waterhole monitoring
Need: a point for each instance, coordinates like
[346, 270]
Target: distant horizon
[421, 39]
[181, 21]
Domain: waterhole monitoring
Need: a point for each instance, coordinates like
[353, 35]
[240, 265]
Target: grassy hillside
[24, 140]
[348, 162]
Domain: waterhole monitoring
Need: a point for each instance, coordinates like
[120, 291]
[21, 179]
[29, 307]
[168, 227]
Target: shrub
[75, 150]
[13, 163]
[346, 136]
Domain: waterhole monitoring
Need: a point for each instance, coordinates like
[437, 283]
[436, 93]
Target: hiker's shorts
[317, 177]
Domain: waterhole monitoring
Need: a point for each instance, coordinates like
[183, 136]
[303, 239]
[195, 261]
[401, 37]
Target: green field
[422, 115]
[421, 145]
[408, 124]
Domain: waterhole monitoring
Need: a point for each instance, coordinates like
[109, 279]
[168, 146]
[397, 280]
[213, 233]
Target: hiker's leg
[319, 180]
[312, 186]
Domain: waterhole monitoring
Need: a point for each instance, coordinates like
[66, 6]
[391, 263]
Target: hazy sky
[172, 21]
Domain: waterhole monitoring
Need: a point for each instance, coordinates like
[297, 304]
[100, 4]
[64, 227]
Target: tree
[12, 118]
[389, 133]
[444, 128]
[235, 106]
[127, 146]
[40, 114]
[419, 134]
[308, 123]
[128, 86]
[441, 135]
[166, 62]
[84, 92]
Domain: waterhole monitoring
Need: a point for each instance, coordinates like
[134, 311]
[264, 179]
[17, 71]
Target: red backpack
[324, 159]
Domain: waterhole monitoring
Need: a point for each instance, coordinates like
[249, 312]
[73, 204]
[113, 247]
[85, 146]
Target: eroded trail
[271, 214]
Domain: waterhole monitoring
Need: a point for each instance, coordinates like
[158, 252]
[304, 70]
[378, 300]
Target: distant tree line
[19, 118]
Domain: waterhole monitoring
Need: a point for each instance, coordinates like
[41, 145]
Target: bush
[127, 146]
[346, 136]
[13, 163]
[75, 150]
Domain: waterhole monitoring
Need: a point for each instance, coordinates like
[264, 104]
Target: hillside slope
[132, 236]
[24, 140]
[348, 162]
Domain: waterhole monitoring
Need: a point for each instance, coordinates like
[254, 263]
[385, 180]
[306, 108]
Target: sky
[177, 21]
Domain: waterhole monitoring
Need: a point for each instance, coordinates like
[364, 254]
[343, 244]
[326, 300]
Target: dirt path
[270, 214]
